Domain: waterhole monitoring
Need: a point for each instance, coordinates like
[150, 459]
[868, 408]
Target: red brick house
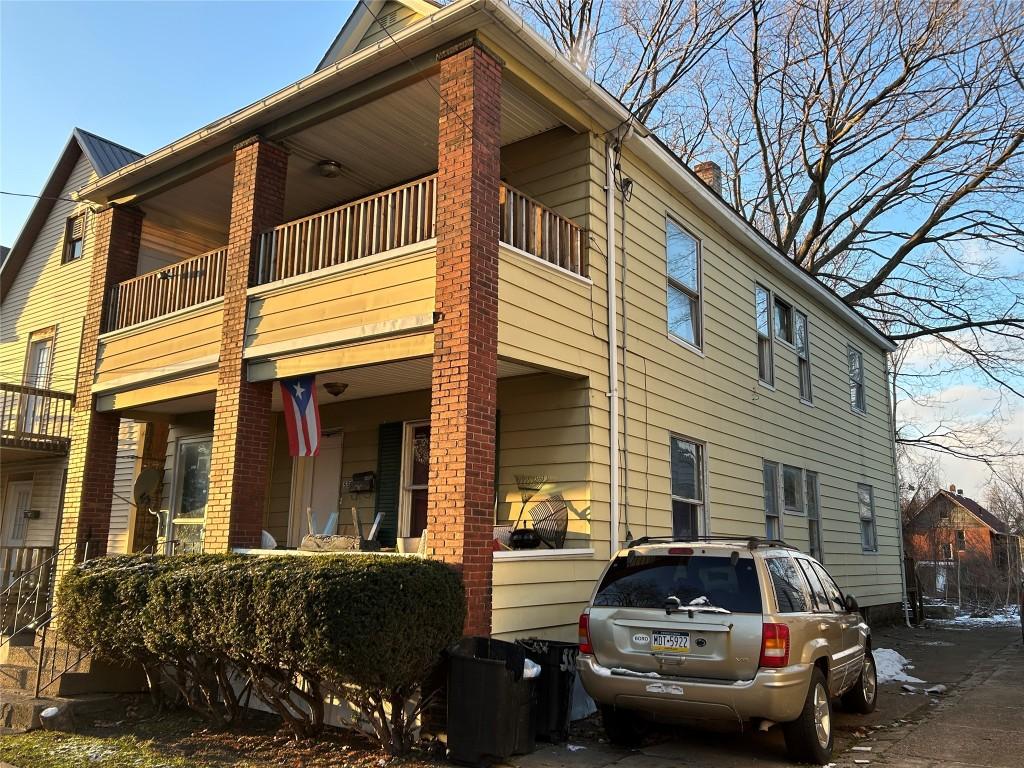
[956, 541]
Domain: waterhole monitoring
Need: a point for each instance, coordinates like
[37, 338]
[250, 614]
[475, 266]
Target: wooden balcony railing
[529, 226]
[167, 290]
[390, 219]
[34, 418]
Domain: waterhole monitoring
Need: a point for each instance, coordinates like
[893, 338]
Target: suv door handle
[823, 626]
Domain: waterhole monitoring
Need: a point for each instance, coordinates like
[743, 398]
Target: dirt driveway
[978, 721]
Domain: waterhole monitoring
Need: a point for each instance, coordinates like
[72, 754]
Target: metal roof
[105, 156]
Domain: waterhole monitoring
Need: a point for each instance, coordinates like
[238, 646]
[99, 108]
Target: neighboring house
[44, 290]
[427, 224]
[956, 542]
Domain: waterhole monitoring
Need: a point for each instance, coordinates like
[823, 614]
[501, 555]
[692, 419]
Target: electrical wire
[38, 197]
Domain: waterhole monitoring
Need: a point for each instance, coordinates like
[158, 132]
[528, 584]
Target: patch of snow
[936, 689]
[702, 600]
[1009, 617]
[890, 666]
[574, 747]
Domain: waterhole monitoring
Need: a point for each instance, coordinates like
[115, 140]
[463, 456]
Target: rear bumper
[773, 694]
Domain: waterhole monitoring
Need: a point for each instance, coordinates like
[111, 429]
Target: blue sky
[139, 73]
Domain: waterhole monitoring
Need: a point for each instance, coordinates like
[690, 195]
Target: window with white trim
[802, 342]
[772, 517]
[857, 399]
[866, 512]
[683, 260]
[687, 459]
[415, 469]
[811, 497]
[763, 312]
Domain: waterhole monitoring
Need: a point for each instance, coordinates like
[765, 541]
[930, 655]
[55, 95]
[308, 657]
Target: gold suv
[724, 629]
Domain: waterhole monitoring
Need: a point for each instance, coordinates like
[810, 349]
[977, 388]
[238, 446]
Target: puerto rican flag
[298, 396]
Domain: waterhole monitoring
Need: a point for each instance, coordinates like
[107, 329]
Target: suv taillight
[585, 646]
[774, 645]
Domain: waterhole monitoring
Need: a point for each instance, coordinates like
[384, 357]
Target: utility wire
[38, 197]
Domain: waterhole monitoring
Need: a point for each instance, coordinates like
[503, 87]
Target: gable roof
[365, 15]
[973, 507]
[104, 156]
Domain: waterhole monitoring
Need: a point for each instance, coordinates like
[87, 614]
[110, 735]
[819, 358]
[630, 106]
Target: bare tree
[1005, 495]
[878, 143]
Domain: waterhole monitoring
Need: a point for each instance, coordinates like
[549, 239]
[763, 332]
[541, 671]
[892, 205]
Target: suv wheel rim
[822, 715]
[868, 681]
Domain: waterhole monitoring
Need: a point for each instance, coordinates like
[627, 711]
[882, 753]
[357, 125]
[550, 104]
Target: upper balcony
[34, 422]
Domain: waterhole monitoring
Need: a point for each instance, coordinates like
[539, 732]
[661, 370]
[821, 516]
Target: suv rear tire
[809, 738]
[863, 696]
[623, 727]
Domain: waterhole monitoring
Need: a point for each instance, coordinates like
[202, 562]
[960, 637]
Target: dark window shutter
[389, 475]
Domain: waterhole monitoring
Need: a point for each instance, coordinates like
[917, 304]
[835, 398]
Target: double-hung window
[802, 342]
[857, 399]
[866, 511]
[961, 541]
[813, 515]
[763, 309]
[772, 515]
[74, 236]
[684, 284]
[687, 459]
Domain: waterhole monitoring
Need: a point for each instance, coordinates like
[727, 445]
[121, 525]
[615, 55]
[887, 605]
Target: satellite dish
[146, 486]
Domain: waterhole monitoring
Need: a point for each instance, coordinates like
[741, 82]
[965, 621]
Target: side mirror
[851, 604]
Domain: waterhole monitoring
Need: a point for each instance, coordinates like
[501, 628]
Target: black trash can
[557, 662]
[490, 703]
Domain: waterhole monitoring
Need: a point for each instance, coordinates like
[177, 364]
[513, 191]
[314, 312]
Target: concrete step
[19, 640]
[19, 711]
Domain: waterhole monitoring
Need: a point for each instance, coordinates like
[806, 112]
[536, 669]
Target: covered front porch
[374, 462]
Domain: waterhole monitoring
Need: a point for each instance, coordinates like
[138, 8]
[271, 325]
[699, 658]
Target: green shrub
[367, 628]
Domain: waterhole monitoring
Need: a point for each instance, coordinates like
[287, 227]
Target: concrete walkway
[979, 721]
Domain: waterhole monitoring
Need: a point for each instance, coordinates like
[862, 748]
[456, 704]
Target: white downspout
[613, 344]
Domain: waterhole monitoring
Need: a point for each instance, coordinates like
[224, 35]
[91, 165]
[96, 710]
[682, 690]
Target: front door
[16, 503]
[316, 491]
[37, 374]
[191, 492]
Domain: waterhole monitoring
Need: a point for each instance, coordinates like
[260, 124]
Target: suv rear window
[646, 581]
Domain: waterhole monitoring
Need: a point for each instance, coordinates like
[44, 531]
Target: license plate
[670, 642]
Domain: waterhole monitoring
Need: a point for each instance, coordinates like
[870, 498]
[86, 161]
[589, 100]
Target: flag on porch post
[301, 415]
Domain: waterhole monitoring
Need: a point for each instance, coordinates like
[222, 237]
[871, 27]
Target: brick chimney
[952, 487]
[711, 174]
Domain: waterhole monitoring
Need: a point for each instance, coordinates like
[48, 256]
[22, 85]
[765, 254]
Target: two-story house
[509, 292]
[44, 288]
[958, 545]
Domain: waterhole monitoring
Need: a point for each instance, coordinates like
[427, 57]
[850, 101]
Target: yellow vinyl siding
[538, 597]
[404, 16]
[47, 292]
[159, 350]
[162, 245]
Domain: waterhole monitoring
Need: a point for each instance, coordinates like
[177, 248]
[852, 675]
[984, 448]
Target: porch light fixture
[335, 388]
[329, 169]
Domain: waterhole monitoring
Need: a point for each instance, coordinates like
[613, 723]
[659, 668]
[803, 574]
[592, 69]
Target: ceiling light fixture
[329, 169]
[335, 388]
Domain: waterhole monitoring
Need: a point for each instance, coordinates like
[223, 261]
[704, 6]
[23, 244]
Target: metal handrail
[33, 588]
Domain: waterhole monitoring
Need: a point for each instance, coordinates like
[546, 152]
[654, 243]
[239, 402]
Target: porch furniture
[551, 520]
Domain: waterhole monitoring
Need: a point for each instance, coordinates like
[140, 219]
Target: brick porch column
[460, 509]
[115, 233]
[241, 425]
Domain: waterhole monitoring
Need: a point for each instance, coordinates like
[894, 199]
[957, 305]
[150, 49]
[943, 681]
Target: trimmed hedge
[368, 628]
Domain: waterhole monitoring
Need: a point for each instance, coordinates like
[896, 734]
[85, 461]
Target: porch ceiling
[378, 144]
[389, 379]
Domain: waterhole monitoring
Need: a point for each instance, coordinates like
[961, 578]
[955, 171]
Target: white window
[802, 341]
[783, 321]
[763, 309]
[866, 508]
[415, 476]
[813, 516]
[684, 284]
[857, 400]
[793, 489]
[947, 551]
[687, 487]
[772, 518]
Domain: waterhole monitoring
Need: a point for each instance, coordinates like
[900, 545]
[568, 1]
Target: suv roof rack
[752, 542]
